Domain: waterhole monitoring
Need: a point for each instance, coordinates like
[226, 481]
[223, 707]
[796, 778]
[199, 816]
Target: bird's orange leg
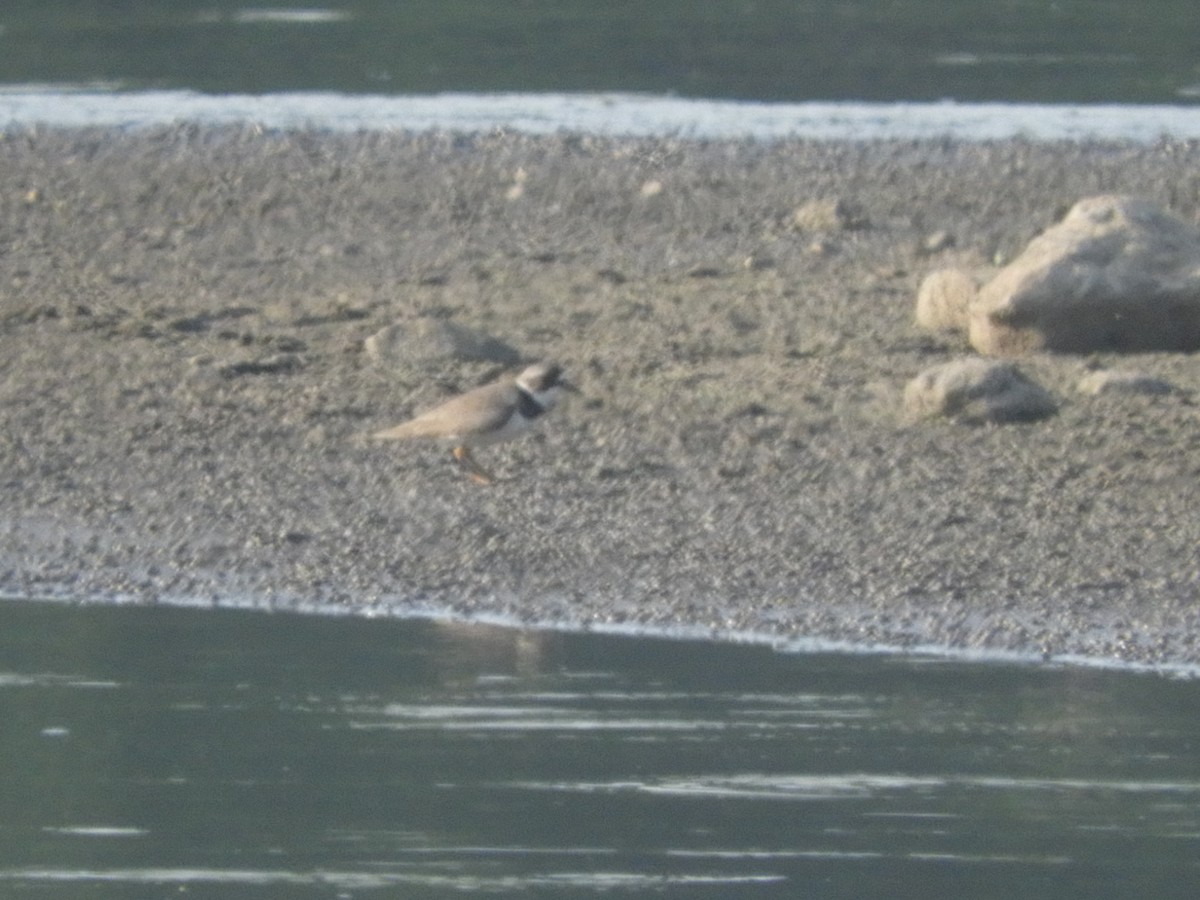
[478, 474]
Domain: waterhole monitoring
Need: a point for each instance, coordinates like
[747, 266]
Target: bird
[487, 415]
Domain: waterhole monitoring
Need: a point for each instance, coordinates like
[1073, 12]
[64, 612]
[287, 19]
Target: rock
[1117, 273]
[944, 300]
[833, 214]
[937, 242]
[427, 340]
[977, 391]
[517, 189]
[758, 262]
[1108, 381]
[651, 188]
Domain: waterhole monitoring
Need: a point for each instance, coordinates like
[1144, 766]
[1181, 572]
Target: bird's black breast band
[527, 406]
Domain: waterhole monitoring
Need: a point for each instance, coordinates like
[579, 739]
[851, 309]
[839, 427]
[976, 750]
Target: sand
[186, 395]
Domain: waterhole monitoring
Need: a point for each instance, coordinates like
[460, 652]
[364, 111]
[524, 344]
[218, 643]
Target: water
[1035, 51]
[155, 752]
[859, 69]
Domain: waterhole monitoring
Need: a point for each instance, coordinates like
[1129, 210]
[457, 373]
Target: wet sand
[186, 395]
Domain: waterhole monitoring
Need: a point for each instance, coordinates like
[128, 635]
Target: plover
[487, 415]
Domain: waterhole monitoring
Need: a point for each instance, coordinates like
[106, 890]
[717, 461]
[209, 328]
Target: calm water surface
[1066, 51]
[155, 752]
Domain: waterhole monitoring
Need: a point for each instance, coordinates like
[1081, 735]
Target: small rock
[937, 242]
[757, 262]
[832, 214]
[977, 391]
[651, 188]
[944, 300]
[517, 189]
[1108, 381]
[429, 340]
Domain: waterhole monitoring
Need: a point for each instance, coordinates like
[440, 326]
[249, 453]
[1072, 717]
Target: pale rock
[944, 300]
[1109, 381]
[428, 340]
[1117, 273]
[516, 189]
[757, 262]
[937, 242]
[977, 391]
[832, 214]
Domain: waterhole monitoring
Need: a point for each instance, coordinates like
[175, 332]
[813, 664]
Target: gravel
[185, 395]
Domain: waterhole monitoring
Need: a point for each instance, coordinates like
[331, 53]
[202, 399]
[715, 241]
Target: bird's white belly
[515, 425]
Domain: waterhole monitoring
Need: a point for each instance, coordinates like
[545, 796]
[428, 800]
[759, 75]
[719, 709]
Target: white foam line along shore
[604, 114]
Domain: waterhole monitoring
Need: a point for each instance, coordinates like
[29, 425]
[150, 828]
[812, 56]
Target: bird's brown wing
[478, 411]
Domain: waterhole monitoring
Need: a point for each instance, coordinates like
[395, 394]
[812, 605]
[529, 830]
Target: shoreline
[677, 633]
[610, 114]
[185, 392]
